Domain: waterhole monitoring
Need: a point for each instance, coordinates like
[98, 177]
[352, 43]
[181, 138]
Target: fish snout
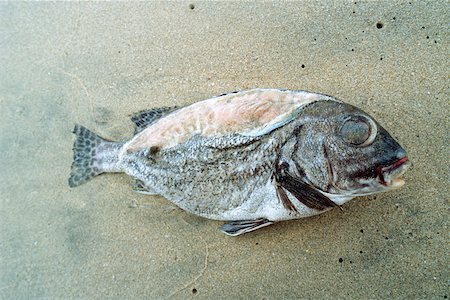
[390, 175]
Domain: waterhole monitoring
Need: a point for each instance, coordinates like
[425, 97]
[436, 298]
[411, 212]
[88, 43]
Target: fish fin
[92, 156]
[144, 118]
[301, 190]
[235, 228]
[140, 187]
[307, 195]
[287, 203]
[227, 94]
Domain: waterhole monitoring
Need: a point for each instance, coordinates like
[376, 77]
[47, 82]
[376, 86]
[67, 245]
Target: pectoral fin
[235, 228]
[281, 193]
[306, 194]
[301, 190]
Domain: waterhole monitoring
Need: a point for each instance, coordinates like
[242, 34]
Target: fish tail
[92, 156]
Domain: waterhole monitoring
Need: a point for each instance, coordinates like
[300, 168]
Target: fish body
[251, 157]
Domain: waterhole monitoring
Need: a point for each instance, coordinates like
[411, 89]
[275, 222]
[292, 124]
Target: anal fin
[235, 228]
[140, 187]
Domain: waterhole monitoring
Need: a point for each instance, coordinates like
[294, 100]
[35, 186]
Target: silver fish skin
[251, 157]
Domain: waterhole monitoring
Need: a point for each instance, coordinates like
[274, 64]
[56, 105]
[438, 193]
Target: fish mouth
[390, 175]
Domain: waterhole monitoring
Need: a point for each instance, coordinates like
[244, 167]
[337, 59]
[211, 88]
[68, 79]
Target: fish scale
[191, 175]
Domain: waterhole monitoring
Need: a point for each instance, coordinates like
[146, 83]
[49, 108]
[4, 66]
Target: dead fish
[251, 158]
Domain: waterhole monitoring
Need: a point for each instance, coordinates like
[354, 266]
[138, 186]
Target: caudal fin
[92, 156]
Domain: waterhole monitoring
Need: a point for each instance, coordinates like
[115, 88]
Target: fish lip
[390, 175]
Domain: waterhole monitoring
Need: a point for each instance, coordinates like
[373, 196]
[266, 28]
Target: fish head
[339, 149]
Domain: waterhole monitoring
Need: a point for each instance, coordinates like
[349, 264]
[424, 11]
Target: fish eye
[358, 131]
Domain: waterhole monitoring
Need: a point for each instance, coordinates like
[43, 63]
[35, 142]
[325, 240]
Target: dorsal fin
[225, 94]
[144, 118]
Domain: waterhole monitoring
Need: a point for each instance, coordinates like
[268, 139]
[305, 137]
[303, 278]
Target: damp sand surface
[96, 63]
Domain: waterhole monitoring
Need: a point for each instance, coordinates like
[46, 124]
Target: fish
[250, 158]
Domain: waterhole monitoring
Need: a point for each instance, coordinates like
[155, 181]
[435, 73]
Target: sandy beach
[97, 63]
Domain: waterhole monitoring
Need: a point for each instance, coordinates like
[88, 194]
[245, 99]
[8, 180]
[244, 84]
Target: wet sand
[96, 63]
